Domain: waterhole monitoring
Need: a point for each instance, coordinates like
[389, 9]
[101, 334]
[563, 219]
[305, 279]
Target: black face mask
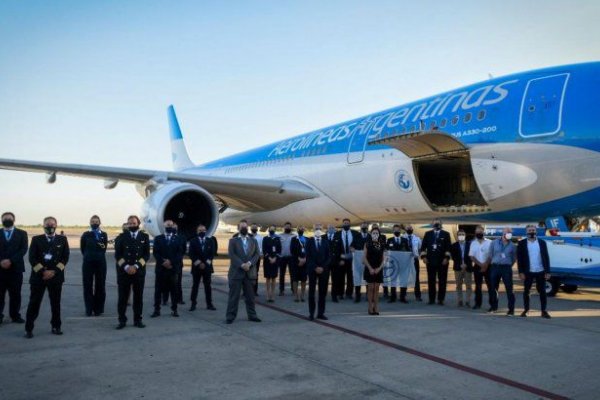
[201, 234]
[396, 233]
[170, 229]
[254, 230]
[133, 228]
[479, 235]
[94, 226]
[531, 235]
[364, 230]
[346, 227]
[271, 233]
[288, 230]
[243, 231]
[49, 230]
[409, 231]
[300, 232]
[8, 223]
[437, 226]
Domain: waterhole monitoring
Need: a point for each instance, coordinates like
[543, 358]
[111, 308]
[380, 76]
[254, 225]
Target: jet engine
[186, 204]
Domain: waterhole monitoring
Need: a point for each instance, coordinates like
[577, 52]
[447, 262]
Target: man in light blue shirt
[503, 254]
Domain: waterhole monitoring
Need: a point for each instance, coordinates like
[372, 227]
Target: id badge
[434, 246]
[48, 257]
[502, 255]
[274, 249]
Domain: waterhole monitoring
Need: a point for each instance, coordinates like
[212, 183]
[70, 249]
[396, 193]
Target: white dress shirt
[480, 250]
[535, 256]
[259, 239]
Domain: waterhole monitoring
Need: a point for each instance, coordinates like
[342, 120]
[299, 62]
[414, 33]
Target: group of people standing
[330, 254]
[325, 257]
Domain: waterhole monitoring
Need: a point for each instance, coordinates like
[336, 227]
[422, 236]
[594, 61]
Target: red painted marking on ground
[464, 368]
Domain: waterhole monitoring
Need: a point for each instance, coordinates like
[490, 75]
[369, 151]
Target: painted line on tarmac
[461, 367]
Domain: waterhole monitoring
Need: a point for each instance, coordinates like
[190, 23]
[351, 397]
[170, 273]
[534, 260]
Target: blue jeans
[505, 273]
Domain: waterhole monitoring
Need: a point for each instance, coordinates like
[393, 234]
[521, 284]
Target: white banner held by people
[398, 269]
[358, 268]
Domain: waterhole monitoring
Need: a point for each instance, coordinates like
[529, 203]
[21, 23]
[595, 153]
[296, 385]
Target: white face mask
[461, 238]
[508, 236]
[375, 236]
[318, 232]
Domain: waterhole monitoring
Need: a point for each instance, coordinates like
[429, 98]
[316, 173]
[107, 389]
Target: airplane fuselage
[530, 150]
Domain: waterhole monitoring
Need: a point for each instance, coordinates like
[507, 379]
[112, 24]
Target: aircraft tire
[569, 288]
[552, 287]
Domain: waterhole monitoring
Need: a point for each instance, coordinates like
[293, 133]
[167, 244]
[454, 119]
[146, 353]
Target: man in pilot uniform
[48, 256]
[132, 251]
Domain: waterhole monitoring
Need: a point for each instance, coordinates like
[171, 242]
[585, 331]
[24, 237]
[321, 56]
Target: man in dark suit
[346, 240]
[93, 245]
[332, 244]
[318, 260]
[463, 268]
[397, 243]
[168, 253]
[435, 253]
[13, 246]
[182, 242]
[243, 255]
[48, 256]
[132, 251]
[533, 261]
[201, 253]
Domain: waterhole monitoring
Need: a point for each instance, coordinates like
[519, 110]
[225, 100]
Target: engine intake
[186, 204]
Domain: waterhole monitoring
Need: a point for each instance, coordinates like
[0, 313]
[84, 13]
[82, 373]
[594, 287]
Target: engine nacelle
[186, 204]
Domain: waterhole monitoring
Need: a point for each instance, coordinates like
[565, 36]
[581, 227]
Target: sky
[89, 82]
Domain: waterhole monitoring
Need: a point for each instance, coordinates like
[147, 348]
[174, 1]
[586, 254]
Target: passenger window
[432, 124]
[481, 115]
[467, 117]
[443, 122]
[455, 120]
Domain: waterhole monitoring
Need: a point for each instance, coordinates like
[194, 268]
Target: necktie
[245, 244]
[133, 235]
[410, 242]
[169, 239]
[318, 244]
[330, 238]
[346, 249]
[397, 240]
[8, 235]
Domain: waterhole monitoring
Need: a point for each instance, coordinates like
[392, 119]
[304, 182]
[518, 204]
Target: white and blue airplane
[524, 147]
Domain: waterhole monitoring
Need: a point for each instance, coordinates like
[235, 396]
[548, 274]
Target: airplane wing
[245, 194]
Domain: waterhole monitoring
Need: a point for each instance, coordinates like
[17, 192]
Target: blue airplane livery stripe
[501, 110]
